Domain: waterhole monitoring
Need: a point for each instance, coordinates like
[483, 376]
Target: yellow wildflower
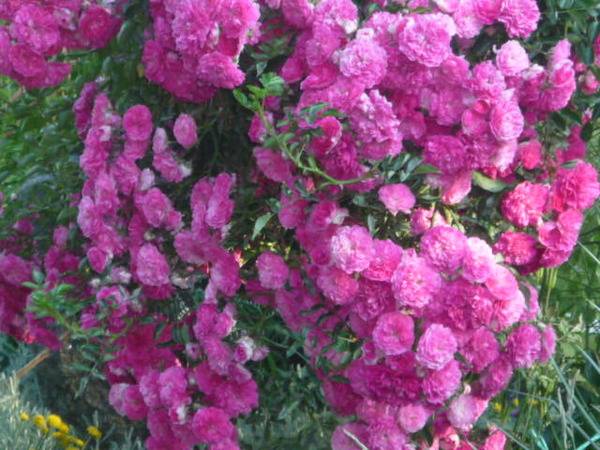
[70, 447]
[77, 441]
[516, 402]
[94, 432]
[24, 416]
[498, 407]
[61, 437]
[55, 421]
[40, 422]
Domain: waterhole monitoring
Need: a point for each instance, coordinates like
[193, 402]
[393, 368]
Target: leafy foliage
[39, 175]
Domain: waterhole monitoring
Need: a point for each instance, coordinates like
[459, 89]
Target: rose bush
[417, 182]
[35, 32]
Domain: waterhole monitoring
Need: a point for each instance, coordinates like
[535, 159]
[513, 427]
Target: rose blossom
[394, 333]
[137, 123]
[415, 282]
[272, 270]
[465, 410]
[512, 59]
[352, 248]
[525, 205]
[413, 417]
[397, 198]
[185, 130]
[152, 267]
[436, 347]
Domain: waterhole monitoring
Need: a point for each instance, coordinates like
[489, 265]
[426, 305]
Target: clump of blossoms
[36, 32]
[188, 392]
[14, 272]
[443, 322]
[195, 45]
[427, 321]
[395, 78]
[547, 213]
[60, 265]
[437, 318]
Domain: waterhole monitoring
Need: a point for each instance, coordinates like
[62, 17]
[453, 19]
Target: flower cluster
[195, 45]
[427, 321]
[36, 32]
[60, 265]
[54, 427]
[548, 212]
[14, 272]
[411, 323]
[187, 393]
[395, 78]
[443, 323]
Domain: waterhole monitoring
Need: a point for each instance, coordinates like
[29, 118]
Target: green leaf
[571, 116]
[63, 289]
[359, 200]
[242, 99]
[260, 67]
[271, 142]
[587, 131]
[258, 92]
[272, 83]
[340, 379]
[371, 223]
[425, 169]
[38, 277]
[311, 112]
[260, 223]
[487, 184]
[564, 4]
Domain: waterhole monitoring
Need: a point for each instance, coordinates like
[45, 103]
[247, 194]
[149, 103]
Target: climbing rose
[212, 426]
[397, 198]
[152, 266]
[425, 38]
[577, 188]
[525, 205]
[137, 123]
[465, 410]
[517, 248]
[524, 346]
[512, 59]
[352, 248]
[413, 417]
[520, 17]
[415, 282]
[393, 334]
[444, 248]
[436, 347]
[272, 270]
[185, 130]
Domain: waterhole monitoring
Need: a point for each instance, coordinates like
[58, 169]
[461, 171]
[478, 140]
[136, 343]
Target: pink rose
[394, 333]
[512, 59]
[397, 198]
[152, 267]
[436, 347]
[352, 248]
[185, 130]
[272, 270]
[137, 123]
